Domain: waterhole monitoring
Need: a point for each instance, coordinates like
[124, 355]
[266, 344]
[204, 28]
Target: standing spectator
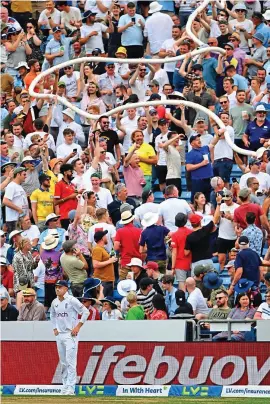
[148, 205]
[258, 131]
[168, 49]
[68, 148]
[145, 295]
[127, 243]
[67, 125]
[103, 196]
[242, 26]
[173, 160]
[57, 49]
[133, 175]
[262, 178]
[171, 206]
[196, 299]
[91, 33]
[50, 17]
[107, 83]
[180, 262]
[140, 80]
[111, 137]
[114, 38]
[170, 290]
[152, 241]
[15, 198]
[29, 230]
[71, 18]
[240, 115]
[103, 262]
[53, 227]
[74, 266]
[33, 73]
[183, 306]
[42, 201]
[65, 197]
[21, 11]
[152, 31]
[24, 264]
[53, 271]
[8, 311]
[72, 82]
[17, 48]
[102, 225]
[121, 196]
[160, 141]
[131, 25]
[253, 233]
[31, 309]
[258, 58]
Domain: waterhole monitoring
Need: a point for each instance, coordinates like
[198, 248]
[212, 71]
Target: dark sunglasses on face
[223, 102]
[142, 70]
[219, 298]
[228, 48]
[67, 68]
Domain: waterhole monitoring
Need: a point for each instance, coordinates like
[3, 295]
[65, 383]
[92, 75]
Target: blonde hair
[22, 243]
[131, 297]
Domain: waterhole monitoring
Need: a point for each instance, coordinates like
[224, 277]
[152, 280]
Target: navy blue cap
[62, 283]
[11, 30]
[87, 14]
[193, 137]
[109, 63]
[56, 29]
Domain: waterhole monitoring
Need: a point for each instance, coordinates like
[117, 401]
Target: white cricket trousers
[67, 347]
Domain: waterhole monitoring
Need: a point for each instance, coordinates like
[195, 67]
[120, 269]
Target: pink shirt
[134, 178]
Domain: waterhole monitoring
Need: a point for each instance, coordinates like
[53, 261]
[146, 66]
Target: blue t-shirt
[153, 237]
[265, 30]
[54, 46]
[133, 35]
[209, 72]
[178, 81]
[240, 82]
[256, 132]
[195, 156]
[250, 261]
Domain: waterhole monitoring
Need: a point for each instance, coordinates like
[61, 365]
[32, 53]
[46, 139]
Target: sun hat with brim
[154, 7]
[29, 159]
[258, 36]
[109, 299]
[260, 108]
[126, 217]
[87, 296]
[29, 292]
[243, 285]
[53, 162]
[69, 113]
[4, 166]
[149, 219]
[135, 262]
[51, 216]
[49, 242]
[125, 286]
[90, 283]
[87, 14]
[212, 281]
[230, 44]
[240, 6]
[14, 233]
[121, 50]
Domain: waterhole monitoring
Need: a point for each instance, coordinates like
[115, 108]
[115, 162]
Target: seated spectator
[123, 288]
[74, 267]
[7, 276]
[126, 207]
[153, 272]
[88, 301]
[135, 311]
[148, 205]
[242, 311]
[29, 230]
[246, 286]
[121, 196]
[263, 311]
[183, 306]
[160, 310]
[31, 309]
[222, 310]
[196, 299]
[152, 241]
[180, 262]
[145, 295]
[53, 227]
[137, 271]
[170, 290]
[213, 282]
[8, 312]
[110, 310]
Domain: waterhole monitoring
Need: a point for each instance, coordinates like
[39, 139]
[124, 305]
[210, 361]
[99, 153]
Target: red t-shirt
[179, 241]
[7, 279]
[94, 314]
[62, 190]
[129, 237]
[242, 210]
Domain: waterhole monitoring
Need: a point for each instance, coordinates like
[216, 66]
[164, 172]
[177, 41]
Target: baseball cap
[19, 170]
[61, 84]
[146, 194]
[154, 97]
[99, 235]
[244, 193]
[22, 64]
[146, 282]
[29, 292]
[68, 245]
[193, 137]
[95, 175]
[109, 63]
[11, 30]
[197, 66]
[162, 121]
[4, 294]
[195, 219]
[43, 177]
[227, 195]
[62, 283]
[151, 265]
[254, 161]
[230, 44]
[202, 269]
[153, 111]
[230, 264]
[200, 119]
[56, 29]
[256, 14]
[243, 240]
[240, 6]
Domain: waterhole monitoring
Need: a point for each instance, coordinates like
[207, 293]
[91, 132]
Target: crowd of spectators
[78, 194]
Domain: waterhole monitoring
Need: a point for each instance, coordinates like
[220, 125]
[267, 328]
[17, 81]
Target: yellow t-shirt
[54, 179]
[44, 202]
[145, 151]
[19, 6]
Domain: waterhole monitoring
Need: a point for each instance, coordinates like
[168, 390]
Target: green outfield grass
[123, 400]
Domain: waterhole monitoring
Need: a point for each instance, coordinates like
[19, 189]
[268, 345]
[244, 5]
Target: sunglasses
[223, 102]
[210, 43]
[239, 11]
[110, 67]
[142, 70]
[267, 296]
[106, 123]
[54, 220]
[219, 298]
[228, 49]
[233, 40]
[67, 68]
[3, 235]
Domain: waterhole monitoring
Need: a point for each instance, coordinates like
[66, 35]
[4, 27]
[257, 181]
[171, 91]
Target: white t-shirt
[222, 149]
[145, 208]
[71, 83]
[263, 178]
[158, 28]
[264, 308]
[226, 227]
[169, 209]
[4, 250]
[168, 45]
[162, 77]
[56, 17]
[140, 87]
[40, 273]
[94, 41]
[78, 182]
[162, 154]
[247, 25]
[77, 128]
[27, 141]
[16, 194]
[232, 99]
[65, 149]
[102, 227]
[87, 175]
[31, 233]
[104, 197]
[74, 15]
[92, 5]
[198, 302]
[130, 125]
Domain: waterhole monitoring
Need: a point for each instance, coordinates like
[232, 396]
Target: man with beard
[113, 144]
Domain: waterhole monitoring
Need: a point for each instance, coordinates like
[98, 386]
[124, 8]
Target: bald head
[190, 283]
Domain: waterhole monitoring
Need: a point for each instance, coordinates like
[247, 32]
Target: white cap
[22, 64]
[2, 233]
[51, 216]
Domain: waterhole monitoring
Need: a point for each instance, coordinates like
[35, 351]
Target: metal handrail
[229, 323]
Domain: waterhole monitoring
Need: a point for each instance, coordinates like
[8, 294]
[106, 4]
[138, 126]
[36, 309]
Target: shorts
[223, 169]
[224, 246]
[161, 174]
[181, 275]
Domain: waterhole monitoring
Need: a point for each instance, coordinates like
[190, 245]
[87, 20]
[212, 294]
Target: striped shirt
[264, 308]
[146, 300]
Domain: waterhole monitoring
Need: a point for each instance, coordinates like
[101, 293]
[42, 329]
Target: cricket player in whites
[66, 326]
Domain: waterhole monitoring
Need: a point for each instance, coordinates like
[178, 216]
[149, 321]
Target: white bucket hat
[135, 262]
[149, 219]
[154, 7]
[125, 286]
[49, 242]
[69, 113]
